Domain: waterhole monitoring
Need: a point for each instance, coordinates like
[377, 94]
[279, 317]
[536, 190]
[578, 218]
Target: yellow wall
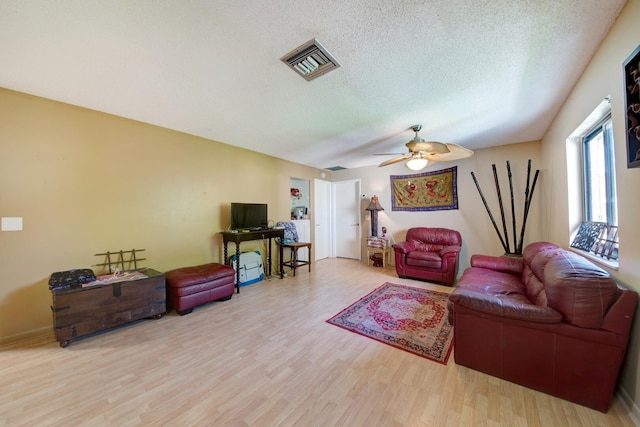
[85, 182]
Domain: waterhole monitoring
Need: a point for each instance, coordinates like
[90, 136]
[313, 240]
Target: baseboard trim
[36, 333]
[632, 409]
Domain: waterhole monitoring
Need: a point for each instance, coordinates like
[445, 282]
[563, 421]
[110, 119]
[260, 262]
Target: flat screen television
[248, 216]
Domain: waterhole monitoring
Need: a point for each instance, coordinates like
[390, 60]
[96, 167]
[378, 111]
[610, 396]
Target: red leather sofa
[429, 254]
[551, 321]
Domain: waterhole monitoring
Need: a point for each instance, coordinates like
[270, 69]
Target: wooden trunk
[82, 311]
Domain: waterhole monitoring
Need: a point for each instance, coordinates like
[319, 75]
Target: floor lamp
[374, 207]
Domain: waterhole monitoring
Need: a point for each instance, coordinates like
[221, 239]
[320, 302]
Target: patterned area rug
[405, 317]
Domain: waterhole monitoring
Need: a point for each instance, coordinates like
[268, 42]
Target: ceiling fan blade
[428, 147]
[389, 154]
[421, 151]
[396, 160]
[456, 152]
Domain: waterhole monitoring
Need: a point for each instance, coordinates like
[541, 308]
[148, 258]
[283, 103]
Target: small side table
[378, 244]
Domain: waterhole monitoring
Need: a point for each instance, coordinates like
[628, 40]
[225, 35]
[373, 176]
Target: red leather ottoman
[189, 287]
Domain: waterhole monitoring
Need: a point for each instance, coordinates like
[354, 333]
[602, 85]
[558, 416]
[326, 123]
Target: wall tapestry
[428, 191]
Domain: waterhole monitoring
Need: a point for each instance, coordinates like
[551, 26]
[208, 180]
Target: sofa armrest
[508, 306]
[502, 264]
[455, 249]
[404, 247]
[620, 315]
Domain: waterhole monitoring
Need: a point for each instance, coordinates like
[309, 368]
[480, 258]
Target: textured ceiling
[477, 73]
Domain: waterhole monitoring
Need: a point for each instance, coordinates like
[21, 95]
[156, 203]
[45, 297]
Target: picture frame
[631, 77]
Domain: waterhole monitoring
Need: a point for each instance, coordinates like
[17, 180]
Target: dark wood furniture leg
[269, 256]
[237, 266]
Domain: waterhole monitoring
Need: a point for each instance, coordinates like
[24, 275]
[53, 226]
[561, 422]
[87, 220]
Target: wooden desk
[238, 236]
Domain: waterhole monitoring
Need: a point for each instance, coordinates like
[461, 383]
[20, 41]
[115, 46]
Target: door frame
[318, 203]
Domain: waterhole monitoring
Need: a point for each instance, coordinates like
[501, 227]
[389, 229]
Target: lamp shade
[417, 163]
[374, 205]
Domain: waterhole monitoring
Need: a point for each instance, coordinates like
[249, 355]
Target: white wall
[602, 77]
[549, 215]
[471, 218]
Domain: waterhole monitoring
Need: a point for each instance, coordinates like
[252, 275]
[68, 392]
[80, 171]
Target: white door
[322, 219]
[347, 218]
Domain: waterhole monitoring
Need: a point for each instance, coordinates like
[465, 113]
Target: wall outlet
[11, 224]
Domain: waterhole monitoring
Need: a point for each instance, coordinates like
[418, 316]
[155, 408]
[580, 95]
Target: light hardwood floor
[265, 358]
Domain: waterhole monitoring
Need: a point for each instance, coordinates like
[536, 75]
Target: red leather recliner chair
[429, 254]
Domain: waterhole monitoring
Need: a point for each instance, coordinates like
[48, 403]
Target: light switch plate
[11, 224]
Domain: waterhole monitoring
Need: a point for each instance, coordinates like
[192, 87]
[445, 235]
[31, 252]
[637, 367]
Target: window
[593, 212]
[599, 175]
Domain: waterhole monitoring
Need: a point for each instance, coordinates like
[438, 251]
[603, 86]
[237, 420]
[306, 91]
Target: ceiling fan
[424, 153]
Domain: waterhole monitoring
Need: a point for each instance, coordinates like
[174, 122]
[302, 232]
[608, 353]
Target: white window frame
[577, 203]
[604, 127]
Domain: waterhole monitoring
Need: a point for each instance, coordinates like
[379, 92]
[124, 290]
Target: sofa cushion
[533, 249]
[427, 247]
[438, 237]
[578, 289]
[505, 264]
[534, 287]
[498, 293]
[424, 259]
[539, 262]
[535, 256]
[486, 280]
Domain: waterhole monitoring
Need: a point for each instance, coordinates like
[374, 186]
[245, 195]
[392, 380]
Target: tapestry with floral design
[428, 191]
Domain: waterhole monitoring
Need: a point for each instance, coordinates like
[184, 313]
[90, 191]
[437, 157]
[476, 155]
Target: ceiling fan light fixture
[417, 163]
[424, 153]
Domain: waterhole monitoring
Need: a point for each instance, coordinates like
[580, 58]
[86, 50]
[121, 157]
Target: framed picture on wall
[632, 107]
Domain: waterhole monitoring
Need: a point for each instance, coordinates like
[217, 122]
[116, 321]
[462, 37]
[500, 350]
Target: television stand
[244, 236]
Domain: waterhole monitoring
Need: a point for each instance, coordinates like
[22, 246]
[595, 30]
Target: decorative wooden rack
[120, 262]
[607, 242]
[598, 238]
[528, 193]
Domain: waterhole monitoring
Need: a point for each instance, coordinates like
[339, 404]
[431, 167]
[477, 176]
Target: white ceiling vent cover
[310, 60]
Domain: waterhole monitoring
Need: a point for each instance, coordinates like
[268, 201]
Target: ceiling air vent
[310, 60]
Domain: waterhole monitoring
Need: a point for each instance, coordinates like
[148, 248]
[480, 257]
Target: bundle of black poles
[528, 195]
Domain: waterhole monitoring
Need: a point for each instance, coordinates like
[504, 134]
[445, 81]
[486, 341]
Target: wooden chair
[291, 242]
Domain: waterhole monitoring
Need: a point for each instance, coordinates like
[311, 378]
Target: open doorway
[300, 198]
[322, 214]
